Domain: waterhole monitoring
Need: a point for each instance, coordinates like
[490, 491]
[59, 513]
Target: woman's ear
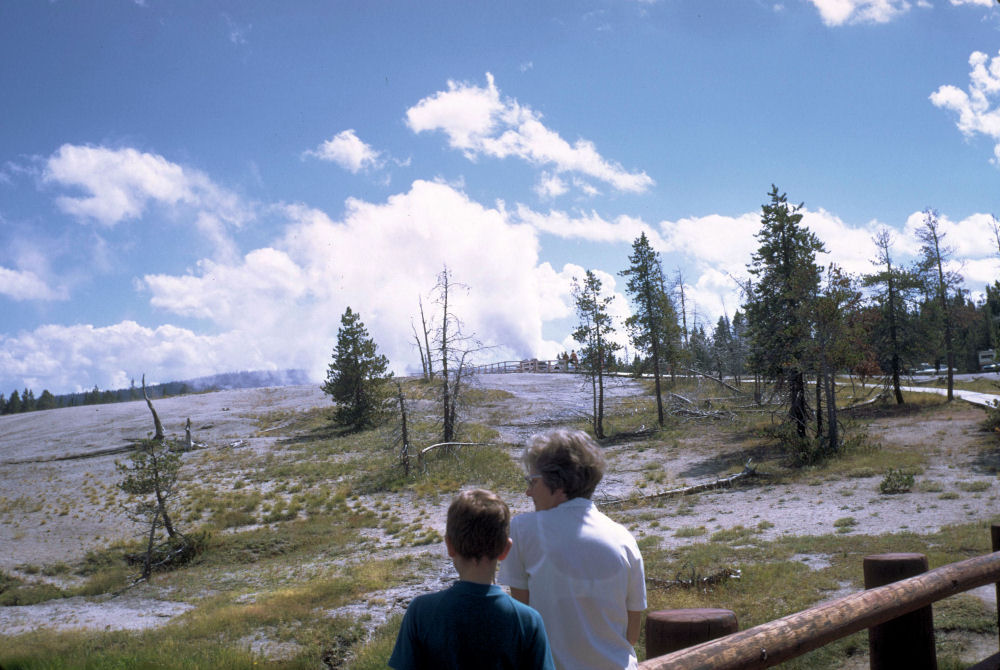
[506, 550]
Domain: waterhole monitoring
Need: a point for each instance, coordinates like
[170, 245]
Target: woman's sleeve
[512, 572]
[635, 599]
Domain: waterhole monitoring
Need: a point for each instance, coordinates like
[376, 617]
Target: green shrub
[992, 421]
[896, 481]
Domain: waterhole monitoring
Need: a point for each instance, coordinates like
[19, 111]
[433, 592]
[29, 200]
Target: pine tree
[653, 325]
[150, 476]
[895, 287]
[46, 400]
[356, 379]
[593, 334]
[13, 405]
[940, 282]
[779, 310]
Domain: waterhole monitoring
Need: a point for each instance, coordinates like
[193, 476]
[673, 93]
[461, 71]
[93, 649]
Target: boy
[473, 624]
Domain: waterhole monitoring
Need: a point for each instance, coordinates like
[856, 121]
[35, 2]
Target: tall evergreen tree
[653, 324]
[933, 256]
[836, 309]
[593, 335]
[356, 379]
[780, 300]
[14, 402]
[894, 289]
[46, 400]
[741, 351]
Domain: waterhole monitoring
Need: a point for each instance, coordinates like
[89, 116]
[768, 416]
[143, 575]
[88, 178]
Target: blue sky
[189, 187]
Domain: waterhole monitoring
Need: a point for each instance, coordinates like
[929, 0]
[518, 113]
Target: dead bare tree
[157, 426]
[429, 372]
[420, 349]
[452, 347]
[404, 436]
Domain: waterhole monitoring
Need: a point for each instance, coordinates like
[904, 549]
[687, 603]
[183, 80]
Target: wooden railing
[780, 640]
[526, 365]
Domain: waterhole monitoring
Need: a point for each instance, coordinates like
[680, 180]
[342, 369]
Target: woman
[578, 568]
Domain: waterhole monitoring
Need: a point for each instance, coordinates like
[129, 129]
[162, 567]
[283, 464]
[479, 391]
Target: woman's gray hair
[566, 459]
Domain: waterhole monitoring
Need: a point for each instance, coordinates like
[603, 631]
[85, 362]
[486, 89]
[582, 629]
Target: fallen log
[748, 472]
[695, 580]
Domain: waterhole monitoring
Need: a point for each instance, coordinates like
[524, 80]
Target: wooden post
[995, 536]
[670, 630]
[906, 641]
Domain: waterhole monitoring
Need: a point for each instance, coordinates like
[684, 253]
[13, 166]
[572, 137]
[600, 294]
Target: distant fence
[886, 610]
[527, 365]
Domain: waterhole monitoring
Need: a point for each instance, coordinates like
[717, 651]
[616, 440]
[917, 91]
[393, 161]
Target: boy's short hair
[478, 524]
[566, 459]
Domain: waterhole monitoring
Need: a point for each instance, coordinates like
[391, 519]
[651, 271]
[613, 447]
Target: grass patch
[689, 531]
[976, 486]
[845, 524]
[374, 654]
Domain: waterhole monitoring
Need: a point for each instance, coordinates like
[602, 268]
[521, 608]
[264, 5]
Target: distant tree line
[25, 401]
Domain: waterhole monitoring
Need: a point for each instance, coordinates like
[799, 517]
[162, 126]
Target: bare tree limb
[158, 435]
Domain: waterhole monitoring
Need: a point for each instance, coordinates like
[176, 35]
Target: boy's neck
[477, 572]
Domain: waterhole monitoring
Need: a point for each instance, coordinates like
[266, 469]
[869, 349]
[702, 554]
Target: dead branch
[748, 472]
[715, 379]
[703, 414]
[676, 396]
[881, 395]
[452, 444]
[158, 436]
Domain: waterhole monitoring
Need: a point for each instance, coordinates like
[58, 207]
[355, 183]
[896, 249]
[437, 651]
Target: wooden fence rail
[526, 365]
[771, 643]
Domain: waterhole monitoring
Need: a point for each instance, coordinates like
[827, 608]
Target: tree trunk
[831, 409]
[797, 409]
[147, 562]
[427, 342]
[157, 426]
[820, 388]
[405, 451]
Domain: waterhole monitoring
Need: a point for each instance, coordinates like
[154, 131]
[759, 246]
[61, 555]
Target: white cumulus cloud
[74, 358]
[841, 12]
[589, 226]
[978, 113]
[120, 184]
[287, 297]
[348, 151]
[26, 285]
[478, 121]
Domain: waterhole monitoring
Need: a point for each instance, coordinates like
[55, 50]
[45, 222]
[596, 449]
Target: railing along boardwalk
[783, 639]
[526, 365]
